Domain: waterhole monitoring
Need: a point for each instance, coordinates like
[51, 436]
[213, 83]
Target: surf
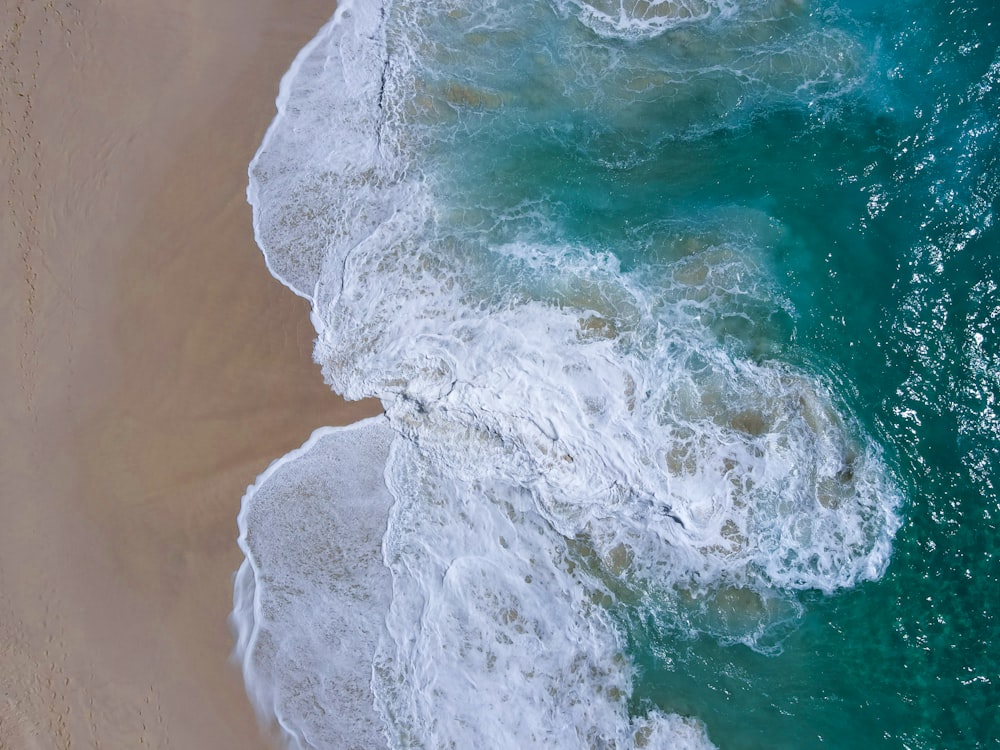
[595, 407]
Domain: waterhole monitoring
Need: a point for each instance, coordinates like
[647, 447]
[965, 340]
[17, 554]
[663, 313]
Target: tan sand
[150, 368]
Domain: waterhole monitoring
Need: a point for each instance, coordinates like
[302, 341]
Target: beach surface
[151, 368]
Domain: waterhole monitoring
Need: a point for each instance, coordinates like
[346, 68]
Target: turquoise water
[902, 304]
[683, 316]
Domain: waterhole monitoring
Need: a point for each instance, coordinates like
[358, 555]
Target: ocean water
[683, 314]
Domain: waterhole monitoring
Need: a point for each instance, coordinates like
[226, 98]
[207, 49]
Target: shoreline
[152, 368]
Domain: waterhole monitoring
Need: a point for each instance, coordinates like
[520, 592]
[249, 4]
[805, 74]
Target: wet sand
[150, 366]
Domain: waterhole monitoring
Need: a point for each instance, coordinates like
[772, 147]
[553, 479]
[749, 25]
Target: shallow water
[682, 315]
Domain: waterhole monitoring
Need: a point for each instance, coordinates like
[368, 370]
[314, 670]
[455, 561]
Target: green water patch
[890, 259]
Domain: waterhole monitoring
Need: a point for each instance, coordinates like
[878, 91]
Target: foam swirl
[571, 432]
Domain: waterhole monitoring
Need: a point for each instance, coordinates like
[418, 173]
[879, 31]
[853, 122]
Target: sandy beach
[150, 366]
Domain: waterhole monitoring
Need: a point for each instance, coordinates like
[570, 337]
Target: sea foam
[312, 594]
[568, 436]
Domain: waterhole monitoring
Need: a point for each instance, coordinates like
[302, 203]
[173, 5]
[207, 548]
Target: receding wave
[312, 595]
[591, 403]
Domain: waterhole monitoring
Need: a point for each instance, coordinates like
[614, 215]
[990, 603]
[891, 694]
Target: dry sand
[150, 367]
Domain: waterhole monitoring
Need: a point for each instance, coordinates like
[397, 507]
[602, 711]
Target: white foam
[638, 19]
[311, 596]
[571, 437]
[335, 85]
[494, 638]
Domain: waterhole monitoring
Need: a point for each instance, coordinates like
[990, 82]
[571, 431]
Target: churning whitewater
[595, 409]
